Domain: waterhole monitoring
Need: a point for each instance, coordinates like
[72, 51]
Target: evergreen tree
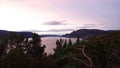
[78, 41]
[70, 42]
[35, 48]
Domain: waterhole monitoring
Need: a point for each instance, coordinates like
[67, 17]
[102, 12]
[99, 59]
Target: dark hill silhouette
[4, 33]
[86, 33]
[82, 33]
[26, 34]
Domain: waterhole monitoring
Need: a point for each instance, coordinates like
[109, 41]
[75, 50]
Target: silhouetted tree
[70, 42]
[36, 50]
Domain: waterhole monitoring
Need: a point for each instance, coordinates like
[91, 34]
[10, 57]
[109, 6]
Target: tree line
[103, 51]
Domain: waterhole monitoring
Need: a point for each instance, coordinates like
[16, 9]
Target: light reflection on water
[50, 43]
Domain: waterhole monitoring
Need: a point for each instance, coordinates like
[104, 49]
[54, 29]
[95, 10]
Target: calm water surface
[50, 43]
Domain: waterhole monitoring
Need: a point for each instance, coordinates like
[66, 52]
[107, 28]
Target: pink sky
[66, 15]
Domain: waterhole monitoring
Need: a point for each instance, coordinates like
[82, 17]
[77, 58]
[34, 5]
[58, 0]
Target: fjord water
[50, 43]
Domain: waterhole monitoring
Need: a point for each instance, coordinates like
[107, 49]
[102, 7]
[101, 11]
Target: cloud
[55, 23]
[87, 26]
[52, 30]
[60, 30]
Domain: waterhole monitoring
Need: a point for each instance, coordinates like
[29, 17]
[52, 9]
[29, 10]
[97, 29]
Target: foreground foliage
[102, 51]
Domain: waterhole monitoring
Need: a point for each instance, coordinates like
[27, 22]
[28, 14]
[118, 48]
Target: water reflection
[50, 43]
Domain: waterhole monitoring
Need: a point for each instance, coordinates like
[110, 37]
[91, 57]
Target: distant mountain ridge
[86, 33]
[25, 34]
[50, 35]
[81, 33]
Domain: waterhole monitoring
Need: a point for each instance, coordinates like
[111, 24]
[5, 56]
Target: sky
[59, 16]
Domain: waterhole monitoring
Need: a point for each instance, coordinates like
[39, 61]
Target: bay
[50, 43]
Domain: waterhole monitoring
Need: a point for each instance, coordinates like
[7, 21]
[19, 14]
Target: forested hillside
[102, 51]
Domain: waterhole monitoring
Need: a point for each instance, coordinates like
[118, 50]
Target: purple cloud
[87, 26]
[55, 23]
